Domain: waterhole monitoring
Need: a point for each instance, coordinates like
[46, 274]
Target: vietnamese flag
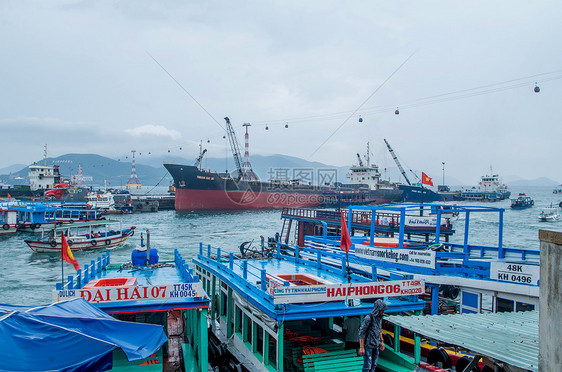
[426, 180]
[345, 242]
[67, 254]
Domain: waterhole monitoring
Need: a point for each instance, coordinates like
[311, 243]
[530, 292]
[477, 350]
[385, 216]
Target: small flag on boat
[345, 242]
[9, 196]
[67, 255]
[426, 180]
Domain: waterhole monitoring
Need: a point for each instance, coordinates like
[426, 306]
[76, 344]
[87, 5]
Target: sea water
[28, 278]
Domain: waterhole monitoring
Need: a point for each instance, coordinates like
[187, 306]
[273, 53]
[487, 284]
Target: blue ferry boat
[147, 290]
[522, 202]
[270, 312]
[506, 278]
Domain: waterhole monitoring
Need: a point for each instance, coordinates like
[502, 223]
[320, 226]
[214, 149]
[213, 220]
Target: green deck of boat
[121, 364]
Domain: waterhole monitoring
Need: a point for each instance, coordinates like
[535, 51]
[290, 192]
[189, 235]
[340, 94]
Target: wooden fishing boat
[148, 290]
[82, 236]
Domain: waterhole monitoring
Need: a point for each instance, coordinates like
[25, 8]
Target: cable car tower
[133, 180]
[247, 171]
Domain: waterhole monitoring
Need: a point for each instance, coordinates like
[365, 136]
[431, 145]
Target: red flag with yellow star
[67, 254]
[426, 180]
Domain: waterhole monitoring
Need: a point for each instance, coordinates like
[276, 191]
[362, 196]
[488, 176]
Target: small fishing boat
[82, 236]
[523, 201]
[148, 290]
[557, 190]
[549, 214]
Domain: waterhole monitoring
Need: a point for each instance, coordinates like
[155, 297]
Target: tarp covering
[68, 336]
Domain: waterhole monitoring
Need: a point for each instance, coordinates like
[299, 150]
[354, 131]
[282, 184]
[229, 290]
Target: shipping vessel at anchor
[201, 189]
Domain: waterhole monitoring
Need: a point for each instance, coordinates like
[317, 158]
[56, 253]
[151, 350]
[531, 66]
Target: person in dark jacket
[370, 336]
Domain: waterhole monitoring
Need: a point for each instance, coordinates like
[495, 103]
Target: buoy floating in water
[360, 119]
[266, 127]
[537, 89]
[397, 112]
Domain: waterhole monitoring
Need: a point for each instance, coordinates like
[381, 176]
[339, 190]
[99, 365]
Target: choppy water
[28, 278]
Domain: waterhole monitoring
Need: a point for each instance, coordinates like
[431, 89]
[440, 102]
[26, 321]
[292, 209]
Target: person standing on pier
[370, 336]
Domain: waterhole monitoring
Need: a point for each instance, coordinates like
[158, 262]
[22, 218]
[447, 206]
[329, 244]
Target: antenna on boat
[45, 155]
[147, 247]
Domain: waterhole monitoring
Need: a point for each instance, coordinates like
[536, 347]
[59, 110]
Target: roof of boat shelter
[165, 273]
[416, 206]
[511, 337]
[234, 276]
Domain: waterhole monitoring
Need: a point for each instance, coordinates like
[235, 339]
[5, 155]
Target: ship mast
[395, 158]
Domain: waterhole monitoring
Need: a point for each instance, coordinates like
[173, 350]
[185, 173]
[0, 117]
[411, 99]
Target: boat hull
[201, 190]
[79, 244]
[415, 194]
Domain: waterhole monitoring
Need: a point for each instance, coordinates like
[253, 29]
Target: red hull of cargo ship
[189, 200]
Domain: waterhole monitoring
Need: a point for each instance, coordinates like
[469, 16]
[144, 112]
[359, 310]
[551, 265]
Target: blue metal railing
[83, 276]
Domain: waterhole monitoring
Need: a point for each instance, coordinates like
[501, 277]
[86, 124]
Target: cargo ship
[201, 189]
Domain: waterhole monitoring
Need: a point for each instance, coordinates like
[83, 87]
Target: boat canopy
[70, 335]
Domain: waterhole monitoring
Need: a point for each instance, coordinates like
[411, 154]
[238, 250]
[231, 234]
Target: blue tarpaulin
[68, 336]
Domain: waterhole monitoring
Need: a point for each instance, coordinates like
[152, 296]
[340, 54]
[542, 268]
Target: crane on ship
[360, 161]
[202, 153]
[395, 158]
[244, 171]
[234, 147]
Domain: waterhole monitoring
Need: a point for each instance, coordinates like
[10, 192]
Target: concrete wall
[550, 299]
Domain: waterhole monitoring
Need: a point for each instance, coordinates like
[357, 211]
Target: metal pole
[147, 247]
[443, 172]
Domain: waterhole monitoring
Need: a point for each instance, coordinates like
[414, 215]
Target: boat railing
[457, 259]
[83, 276]
[326, 260]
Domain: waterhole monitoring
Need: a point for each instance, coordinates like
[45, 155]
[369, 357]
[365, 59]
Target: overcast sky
[78, 76]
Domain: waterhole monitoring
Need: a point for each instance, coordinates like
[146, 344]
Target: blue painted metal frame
[259, 298]
[454, 263]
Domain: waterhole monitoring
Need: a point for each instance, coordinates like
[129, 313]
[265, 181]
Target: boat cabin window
[238, 320]
[503, 305]
[521, 306]
[223, 304]
[272, 352]
[247, 327]
[258, 340]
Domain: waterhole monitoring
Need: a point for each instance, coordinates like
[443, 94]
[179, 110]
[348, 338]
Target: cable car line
[361, 105]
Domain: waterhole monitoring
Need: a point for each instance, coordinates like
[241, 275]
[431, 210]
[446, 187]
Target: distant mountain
[96, 169]
[12, 168]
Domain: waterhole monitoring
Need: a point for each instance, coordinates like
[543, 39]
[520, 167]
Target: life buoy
[71, 221]
[70, 242]
[107, 242]
[53, 243]
[37, 225]
[93, 243]
[6, 226]
[32, 226]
